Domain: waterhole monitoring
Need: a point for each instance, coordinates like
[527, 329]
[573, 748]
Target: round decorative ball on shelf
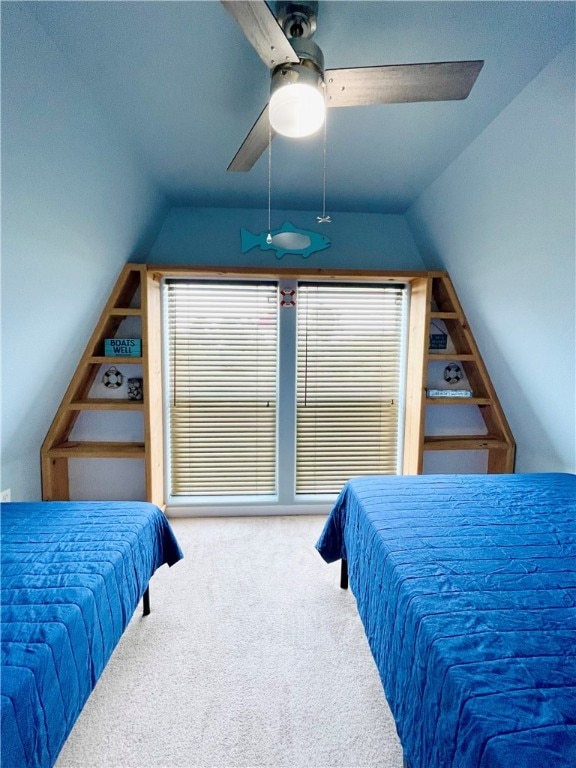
[113, 378]
[453, 373]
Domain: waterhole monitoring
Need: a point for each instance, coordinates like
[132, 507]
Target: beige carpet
[252, 656]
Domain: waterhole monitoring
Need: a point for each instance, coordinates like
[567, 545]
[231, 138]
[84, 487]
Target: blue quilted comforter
[72, 576]
[466, 586]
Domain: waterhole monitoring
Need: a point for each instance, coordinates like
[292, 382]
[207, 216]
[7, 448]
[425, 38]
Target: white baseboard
[246, 510]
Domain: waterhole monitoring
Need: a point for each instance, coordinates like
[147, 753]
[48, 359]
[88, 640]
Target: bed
[466, 586]
[73, 574]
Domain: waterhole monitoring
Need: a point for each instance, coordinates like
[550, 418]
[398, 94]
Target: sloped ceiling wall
[501, 220]
[76, 205]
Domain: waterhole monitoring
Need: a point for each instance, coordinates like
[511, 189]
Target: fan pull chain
[324, 219]
[269, 236]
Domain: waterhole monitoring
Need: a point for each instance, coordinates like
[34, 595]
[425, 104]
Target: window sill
[188, 508]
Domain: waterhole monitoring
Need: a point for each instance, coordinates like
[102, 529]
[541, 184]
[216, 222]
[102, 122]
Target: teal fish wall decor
[287, 239]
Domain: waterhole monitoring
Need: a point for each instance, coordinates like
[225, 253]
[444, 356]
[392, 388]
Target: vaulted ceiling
[185, 86]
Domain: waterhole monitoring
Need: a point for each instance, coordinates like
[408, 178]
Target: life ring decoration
[453, 373]
[113, 378]
[287, 299]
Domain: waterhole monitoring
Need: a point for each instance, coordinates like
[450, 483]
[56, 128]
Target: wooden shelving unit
[434, 298]
[136, 295]
[134, 286]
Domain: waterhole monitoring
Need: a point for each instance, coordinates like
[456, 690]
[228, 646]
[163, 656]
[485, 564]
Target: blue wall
[501, 220]
[75, 207]
[77, 204]
[212, 236]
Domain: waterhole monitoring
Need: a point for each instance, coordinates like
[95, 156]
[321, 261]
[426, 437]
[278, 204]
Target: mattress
[466, 586]
[72, 576]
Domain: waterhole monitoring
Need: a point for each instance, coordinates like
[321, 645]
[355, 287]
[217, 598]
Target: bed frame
[73, 574]
[463, 585]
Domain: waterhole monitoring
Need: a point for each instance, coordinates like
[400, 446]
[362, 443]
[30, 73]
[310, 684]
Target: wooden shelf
[126, 312]
[104, 359]
[463, 443]
[444, 316]
[97, 450]
[448, 356]
[106, 404]
[458, 401]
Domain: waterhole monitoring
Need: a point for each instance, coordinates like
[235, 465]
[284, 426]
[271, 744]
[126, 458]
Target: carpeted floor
[252, 656]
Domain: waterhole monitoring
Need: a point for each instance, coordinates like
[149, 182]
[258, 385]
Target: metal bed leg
[344, 574]
[146, 602]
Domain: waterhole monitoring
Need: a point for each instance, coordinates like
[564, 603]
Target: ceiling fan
[283, 42]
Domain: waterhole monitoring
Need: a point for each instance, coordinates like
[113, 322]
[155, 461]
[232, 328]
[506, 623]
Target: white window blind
[348, 383]
[222, 345]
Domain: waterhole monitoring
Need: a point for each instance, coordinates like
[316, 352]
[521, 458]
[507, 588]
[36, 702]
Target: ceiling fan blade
[262, 31]
[254, 145]
[398, 83]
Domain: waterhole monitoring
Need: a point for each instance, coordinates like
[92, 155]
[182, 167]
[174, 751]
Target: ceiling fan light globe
[297, 110]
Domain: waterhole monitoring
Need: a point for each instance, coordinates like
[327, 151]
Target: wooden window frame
[417, 329]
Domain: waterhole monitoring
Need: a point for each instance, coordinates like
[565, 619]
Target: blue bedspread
[72, 576]
[466, 586]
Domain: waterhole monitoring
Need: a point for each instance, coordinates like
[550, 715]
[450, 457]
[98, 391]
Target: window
[276, 400]
[222, 349]
[348, 383]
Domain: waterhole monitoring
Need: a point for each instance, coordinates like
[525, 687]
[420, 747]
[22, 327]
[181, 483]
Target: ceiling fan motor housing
[297, 19]
[296, 73]
[310, 70]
